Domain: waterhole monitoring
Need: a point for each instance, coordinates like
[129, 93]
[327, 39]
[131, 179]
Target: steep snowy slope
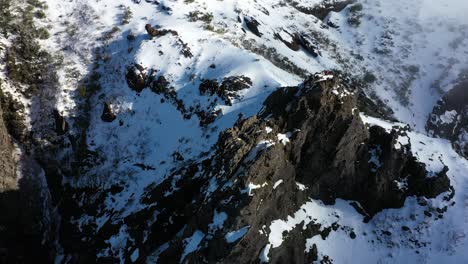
[145, 88]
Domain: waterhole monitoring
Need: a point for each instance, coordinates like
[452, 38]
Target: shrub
[127, 15]
[369, 77]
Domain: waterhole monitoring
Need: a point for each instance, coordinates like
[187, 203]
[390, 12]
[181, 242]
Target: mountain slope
[136, 97]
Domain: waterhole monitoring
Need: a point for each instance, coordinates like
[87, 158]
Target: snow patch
[284, 138]
[233, 236]
[252, 187]
[192, 243]
[218, 221]
[448, 117]
[277, 184]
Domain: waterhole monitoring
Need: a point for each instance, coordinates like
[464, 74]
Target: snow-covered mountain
[195, 131]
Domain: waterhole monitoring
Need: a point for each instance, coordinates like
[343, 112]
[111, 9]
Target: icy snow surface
[233, 236]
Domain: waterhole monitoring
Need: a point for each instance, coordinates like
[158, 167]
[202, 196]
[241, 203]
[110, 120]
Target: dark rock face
[150, 30]
[184, 48]
[159, 85]
[306, 45]
[449, 119]
[252, 24]
[208, 87]
[310, 135]
[153, 32]
[322, 10]
[228, 89]
[107, 114]
[293, 45]
[61, 125]
[298, 41]
[136, 77]
[13, 122]
[24, 228]
[7, 161]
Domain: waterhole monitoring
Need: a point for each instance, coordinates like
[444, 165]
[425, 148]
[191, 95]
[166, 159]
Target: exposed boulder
[252, 24]
[154, 32]
[449, 119]
[136, 77]
[151, 31]
[107, 114]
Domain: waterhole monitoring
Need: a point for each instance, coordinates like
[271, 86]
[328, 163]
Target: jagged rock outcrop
[252, 24]
[227, 90]
[138, 78]
[155, 32]
[449, 119]
[310, 136]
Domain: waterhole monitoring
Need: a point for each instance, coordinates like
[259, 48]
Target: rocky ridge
[307, 142]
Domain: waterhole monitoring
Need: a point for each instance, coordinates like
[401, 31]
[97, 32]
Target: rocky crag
[307, 142]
